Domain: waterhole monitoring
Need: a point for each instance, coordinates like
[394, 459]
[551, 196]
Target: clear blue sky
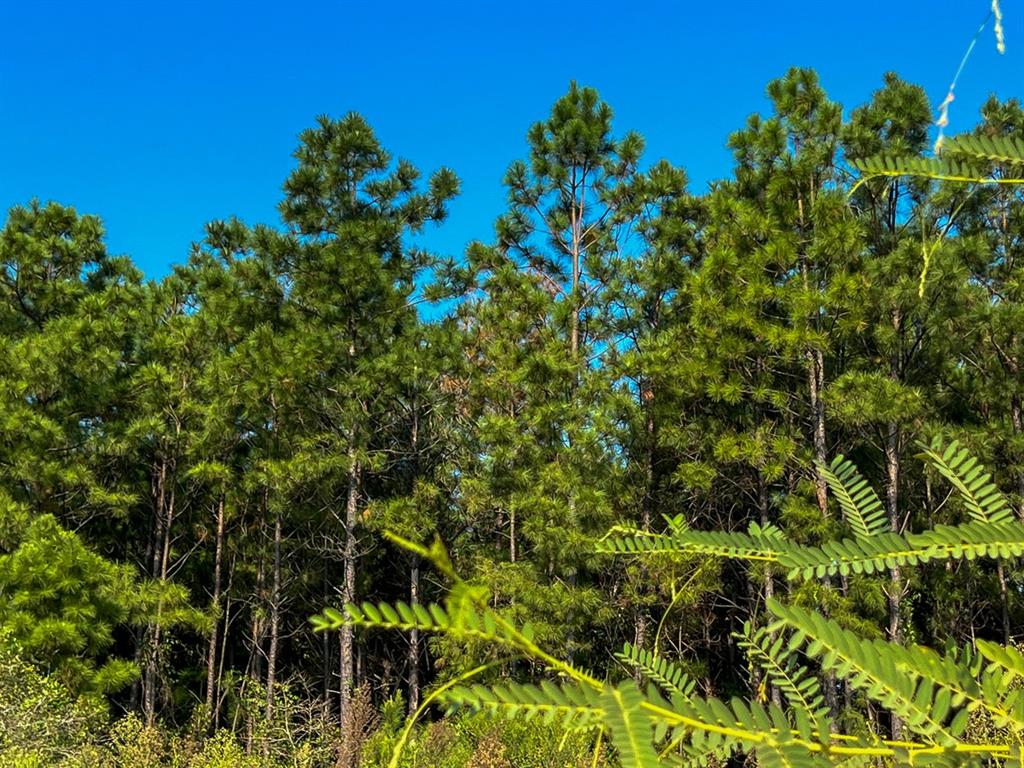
[162, 116]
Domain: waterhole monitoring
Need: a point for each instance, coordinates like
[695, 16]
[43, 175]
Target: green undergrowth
[43, 727]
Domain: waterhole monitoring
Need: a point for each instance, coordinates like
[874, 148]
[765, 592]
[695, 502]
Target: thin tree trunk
[211, 650]
[326, 642]
[224, 659]
[895, 591]
[815, 385]
[221, 693]
[577, 225]
[159, 500]
[1004, 600]
[414, 641]
[414, 569]
[816, 382]
[165, 557]
[647, 503]
[256, 652]
[512, 535]
[162, 556]
[275, 619]
[1018, 428]
[152, 639]
[892, 473]
[768, 585]
[348, 595]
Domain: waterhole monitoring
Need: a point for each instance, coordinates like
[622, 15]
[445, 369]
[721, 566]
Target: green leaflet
[874, 554]
[861, 506]
[666, 675]
[569, 704]
[993, 531]
[629, 726]
[754, 545]
[1007, 150]
[984, 501]
[902, 689]
[777, 659]
[469, 622]
[938, 168]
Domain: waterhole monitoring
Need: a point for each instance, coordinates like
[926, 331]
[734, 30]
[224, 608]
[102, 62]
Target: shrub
[40, 719]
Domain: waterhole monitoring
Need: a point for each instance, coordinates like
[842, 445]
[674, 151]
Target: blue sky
[162, 116]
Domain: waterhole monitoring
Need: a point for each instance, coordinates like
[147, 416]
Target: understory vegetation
[657, 475]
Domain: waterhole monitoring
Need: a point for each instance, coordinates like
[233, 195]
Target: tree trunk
[256, 651]
[346, 668]
[211, 650]
[892, 470]
[647, 503]
[161, 560]
[768, 586]
[152, 639]
[221, 693]
[1018, 428]
[275, 619]
[816, 382]
[326, 668]
[1004, 600]
[577, 228]
[414, 569]
[512, 535]
[895, 591]
[414, 641]
[815, 385]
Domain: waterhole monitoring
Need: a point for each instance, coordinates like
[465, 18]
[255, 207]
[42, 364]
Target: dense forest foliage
[191, 468]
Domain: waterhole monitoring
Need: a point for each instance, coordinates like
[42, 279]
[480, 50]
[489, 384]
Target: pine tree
[649, 362]
[881, 396]
[350, 279]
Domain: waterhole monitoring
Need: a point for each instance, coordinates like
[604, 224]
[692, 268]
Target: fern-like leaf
[757, 544]
[937, 168]
[862, 509]
[874, 554]
[801, 689]
[1005, 150]
[984, 501]
[468, 623]
[925, 705]
[570, 704]
[886, 550]
[629, 725]
[660, 671]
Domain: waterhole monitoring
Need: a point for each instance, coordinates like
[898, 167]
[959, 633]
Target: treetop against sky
[162, 116]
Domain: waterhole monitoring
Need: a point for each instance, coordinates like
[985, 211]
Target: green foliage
[620, 353]
[40, 718]
[984, 501]
[964, 159]
[941, 169]
[934, 695]
[63, 604]
[768, 651]
[992, 532]
[670, 678]
[861, 506]
[465, 621]
[629, 726]
[476, 741]
[569, 705]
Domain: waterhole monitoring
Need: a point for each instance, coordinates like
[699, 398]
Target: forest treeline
[192, 467]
